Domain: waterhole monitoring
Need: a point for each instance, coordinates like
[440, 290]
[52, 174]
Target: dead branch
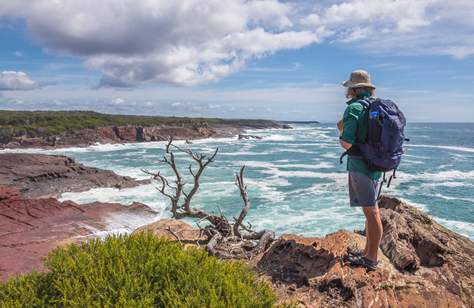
[239, 178]
[174, 234]
[226, 240]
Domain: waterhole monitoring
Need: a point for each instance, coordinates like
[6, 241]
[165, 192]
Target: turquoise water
[295, 181]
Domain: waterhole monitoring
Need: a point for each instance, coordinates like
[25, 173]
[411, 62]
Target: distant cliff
[83, 128]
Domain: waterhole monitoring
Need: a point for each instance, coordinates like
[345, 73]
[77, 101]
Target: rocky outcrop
[37, 175]
[312, 272]
[247, 137]
[421, 264]
[30, 228]
[417, 244]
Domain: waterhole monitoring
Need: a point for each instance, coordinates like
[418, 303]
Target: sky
[273, 59]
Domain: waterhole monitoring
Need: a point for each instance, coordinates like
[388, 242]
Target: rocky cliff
[30, 228]
[22, 129]
[422, 264]
[111, 134]
[32, 222]
[37, 175]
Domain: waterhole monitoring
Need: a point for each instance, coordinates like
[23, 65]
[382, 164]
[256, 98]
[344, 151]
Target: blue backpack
[383, 149]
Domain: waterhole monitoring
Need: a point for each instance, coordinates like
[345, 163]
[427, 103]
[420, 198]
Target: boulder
[174, 229]
[417, 244]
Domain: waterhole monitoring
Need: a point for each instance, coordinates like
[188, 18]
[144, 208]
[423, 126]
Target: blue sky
[255, 59]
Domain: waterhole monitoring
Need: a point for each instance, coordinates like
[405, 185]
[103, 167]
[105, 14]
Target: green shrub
[136, 271]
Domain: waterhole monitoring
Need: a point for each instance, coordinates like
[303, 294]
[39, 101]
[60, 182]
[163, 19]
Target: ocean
[295, 182]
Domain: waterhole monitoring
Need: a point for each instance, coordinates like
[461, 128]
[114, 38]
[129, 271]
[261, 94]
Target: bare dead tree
[225, 239]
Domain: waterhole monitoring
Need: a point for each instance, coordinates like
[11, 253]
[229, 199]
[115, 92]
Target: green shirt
[355, 121]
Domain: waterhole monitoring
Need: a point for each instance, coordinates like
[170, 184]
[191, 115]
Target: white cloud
[189, 42]
[182, 42]
[13, 80]
[402, 26]
[118, 101]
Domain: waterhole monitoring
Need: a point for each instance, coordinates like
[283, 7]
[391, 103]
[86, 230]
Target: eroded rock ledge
[422, 264]
[30, 228]
[37, 175]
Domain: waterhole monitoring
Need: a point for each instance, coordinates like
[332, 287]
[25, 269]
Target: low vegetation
[51, 123]
[136, 271]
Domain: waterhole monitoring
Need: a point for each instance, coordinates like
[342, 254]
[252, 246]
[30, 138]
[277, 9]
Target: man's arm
[340, 127]
[348, 128]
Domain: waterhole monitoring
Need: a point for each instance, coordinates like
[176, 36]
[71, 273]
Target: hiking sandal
[355, 252]
[362, 261]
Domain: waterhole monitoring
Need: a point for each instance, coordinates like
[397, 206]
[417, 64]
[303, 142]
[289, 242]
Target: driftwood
[226, 240]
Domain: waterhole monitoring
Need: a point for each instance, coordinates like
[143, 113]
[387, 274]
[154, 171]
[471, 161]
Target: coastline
[55, 129]
[416, 252]
[34, 220]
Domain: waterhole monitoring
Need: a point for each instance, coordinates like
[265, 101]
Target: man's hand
[345, 145]
[340, 126]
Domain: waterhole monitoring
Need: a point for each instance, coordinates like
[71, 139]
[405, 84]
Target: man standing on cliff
[363, 182]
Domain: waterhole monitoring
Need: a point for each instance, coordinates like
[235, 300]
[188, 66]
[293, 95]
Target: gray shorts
[362, 189]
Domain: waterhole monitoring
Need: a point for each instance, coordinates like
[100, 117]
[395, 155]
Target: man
[363, 182]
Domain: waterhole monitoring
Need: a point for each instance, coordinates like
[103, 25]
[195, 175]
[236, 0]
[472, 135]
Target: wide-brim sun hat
[359, 79]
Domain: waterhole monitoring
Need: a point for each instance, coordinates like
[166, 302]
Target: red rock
[311, 271]
[30, 228]
[108, 133]
[126, 133]
[422, 264]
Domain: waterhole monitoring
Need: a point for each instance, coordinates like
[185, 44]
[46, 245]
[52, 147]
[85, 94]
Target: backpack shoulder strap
[366, 102]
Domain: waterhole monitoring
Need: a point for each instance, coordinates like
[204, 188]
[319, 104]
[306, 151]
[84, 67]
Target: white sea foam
[471, 200]
[146, 194]
[444, 147]
[294, 151]
[449, 184]
[303, 174]
[268, 189]
[442, 176]
[329, 155]
[315, 221]
[321, 165]
[462, 227]
[277, 137]
[255, 164]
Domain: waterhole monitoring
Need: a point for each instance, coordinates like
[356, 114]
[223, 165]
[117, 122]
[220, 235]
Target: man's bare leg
[367, 239]
[374, 231]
